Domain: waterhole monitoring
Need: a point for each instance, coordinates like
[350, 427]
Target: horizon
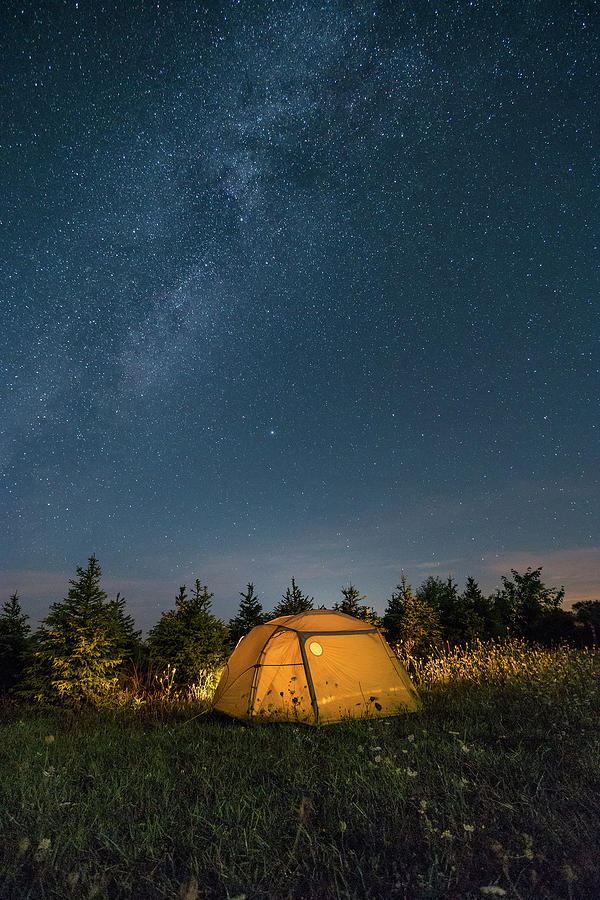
[144, 596]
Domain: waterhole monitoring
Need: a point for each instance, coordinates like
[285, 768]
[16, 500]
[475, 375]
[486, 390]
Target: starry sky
[295, 288]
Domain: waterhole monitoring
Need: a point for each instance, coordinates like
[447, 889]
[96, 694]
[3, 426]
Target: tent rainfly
[316, 667]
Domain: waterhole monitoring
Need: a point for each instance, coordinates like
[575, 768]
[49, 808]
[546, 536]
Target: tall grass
[499, 662]
[491, 790]
[156, 693]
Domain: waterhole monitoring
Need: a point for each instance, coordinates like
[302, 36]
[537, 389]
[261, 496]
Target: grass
[491, 790]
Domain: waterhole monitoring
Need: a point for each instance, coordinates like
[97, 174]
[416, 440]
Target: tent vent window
[315, 648]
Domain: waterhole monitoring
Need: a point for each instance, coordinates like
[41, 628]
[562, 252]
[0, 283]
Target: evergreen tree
[474, 613]
[250, 613]
[352, 605]
[14, 634]
[126, 638]
[411, 621]
[189, 637]
[293, 602]
[442, 596]
[450, 613]
[79, 646]
[394, 612]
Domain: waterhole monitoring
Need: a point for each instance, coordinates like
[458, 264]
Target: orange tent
[315, 667]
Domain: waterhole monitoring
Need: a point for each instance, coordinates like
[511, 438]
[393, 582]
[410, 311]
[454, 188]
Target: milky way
[299, 289]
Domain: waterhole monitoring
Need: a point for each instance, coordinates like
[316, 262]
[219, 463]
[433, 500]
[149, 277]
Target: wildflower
[189, 889]
[528, 852]
[411, 774]
[410, 737]
[49, 739]
[306, 810]
[42, 848]
[498, 849]
[447, 835]
[24, 845]
[469, 828]
[493, 890]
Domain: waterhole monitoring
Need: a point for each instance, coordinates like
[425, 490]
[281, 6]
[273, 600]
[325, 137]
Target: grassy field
[493, 789]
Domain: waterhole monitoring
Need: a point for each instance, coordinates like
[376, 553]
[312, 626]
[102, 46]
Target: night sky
[301, 289]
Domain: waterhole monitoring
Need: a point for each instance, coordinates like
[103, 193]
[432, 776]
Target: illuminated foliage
[411, 621]
[189, 638]
[81, 643]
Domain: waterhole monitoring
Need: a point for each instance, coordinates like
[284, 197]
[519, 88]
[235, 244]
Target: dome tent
[315, 667]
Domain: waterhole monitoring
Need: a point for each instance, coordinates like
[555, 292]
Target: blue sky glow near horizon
[298, 289]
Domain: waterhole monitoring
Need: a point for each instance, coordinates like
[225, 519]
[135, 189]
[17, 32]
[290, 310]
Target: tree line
[85, 644]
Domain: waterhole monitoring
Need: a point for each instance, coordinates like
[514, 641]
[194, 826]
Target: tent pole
[309, 681]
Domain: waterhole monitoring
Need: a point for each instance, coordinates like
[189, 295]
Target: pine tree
[14, 634]
[473, 613]
[294, 602]
[126, 638]
[250, 613]
[351, 601]
[411, 621]
[189, 637]
[393, 615]
[443, 597]
[352, 605]
[78, 648]
[449, 612]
